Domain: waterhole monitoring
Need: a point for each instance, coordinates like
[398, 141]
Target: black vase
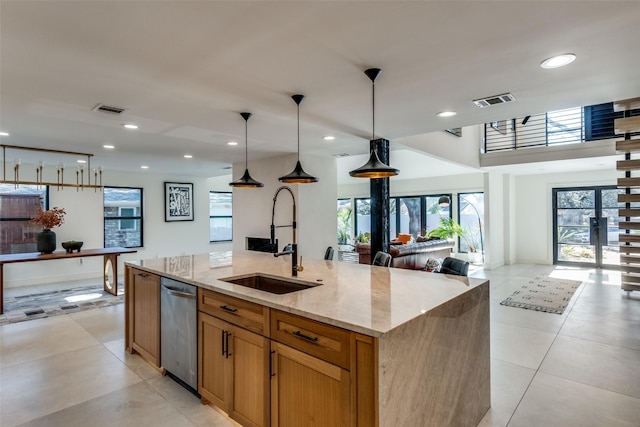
[46, 241]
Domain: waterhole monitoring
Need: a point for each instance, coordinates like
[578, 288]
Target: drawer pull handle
[305, 337]
[222, 344]
[229, 309]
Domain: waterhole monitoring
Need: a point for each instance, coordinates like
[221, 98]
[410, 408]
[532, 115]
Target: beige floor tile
[35, 323]
[104, 324]
[600, 365]
[521, 346]
[553, 401]
[33, 389]
[136, 406]
[609, 302]
[188, 404]
[508, 384]
[134, 362]
[532, 319]
[21, 344]
[603, 329]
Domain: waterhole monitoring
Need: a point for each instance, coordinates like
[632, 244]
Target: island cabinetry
[233, 362]
[142, 293]
[311, 381]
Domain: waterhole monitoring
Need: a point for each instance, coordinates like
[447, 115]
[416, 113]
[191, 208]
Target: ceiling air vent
[108, 109]
[493, 100]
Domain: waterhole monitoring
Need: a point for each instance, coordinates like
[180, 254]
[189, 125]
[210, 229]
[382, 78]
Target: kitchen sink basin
[274, 285]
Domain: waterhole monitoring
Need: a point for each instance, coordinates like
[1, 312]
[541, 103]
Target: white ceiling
[185, 70]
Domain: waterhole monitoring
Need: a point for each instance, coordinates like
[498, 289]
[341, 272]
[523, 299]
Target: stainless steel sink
[274, 285]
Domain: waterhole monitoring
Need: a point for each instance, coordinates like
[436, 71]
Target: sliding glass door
[585, 226]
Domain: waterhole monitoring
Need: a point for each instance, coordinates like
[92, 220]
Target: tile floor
[581, 368]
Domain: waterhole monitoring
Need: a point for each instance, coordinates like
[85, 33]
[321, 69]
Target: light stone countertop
[360, 298]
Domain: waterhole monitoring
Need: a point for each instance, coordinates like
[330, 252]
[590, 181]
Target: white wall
[533, 215]
[316, 204]
[509, 207]
[464, 150]
[496, 228]
[84, 221]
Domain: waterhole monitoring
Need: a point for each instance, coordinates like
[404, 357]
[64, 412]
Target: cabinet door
[307, 391]
[234, 370]
[146, 316]
[213, 365]
[249, 356]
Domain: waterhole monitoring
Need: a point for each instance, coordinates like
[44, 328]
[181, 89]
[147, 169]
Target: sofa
[412, 256]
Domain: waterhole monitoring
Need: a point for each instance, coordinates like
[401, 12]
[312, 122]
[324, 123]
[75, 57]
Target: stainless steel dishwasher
[179, 332]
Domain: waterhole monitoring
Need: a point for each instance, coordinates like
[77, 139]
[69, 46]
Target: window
[471, 218]
[122, 217]
[127, 224]
[17, 206]
[345, 212]
[433, 212]
[599, 121]
[564, 126]
[220, 216]
[363, 216]
[411, 215]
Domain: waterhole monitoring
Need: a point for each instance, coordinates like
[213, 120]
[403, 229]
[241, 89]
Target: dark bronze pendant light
[298, 175]
[374, 168]
[246, 181]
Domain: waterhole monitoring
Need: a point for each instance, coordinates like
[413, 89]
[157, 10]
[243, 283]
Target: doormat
[544, 294]
[47, 304]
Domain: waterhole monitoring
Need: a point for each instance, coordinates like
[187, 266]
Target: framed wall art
[178, 201]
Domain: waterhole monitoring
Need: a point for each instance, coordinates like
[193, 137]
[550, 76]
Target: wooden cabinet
[233, 362]
[142, 334]
[308, 374]
[311, 384]
[248, 315]
[307, 391]
[324, 341]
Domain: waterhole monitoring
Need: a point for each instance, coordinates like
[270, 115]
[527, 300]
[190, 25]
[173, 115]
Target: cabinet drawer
[236, 311]
[326, 342]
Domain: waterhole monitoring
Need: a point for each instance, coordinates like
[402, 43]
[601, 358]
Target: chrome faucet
[294, 246]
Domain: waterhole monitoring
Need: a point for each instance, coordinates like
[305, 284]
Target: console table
[110, 264]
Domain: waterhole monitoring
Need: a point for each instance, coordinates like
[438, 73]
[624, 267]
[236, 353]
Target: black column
[380, 202]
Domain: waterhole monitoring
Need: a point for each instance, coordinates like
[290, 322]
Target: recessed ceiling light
[188, 156]
[109, 147]
[4, 134]
[81, 161]
[558, 60]
[144, 167]
[446, 114]
[328, 138]
[130, 126]
[232, 143]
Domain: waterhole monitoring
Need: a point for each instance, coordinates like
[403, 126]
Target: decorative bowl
[72, 245]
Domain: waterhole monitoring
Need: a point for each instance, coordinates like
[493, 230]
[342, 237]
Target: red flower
[49, 219]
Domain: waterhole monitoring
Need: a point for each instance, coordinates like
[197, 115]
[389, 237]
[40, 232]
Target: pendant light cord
[373, 110]
[298, 131]
[246, 145]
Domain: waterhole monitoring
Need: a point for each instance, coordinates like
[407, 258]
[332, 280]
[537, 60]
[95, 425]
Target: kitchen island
[372, 346]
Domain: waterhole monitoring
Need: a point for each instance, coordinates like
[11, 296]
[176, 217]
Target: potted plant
[449, 229]
[46, 239]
